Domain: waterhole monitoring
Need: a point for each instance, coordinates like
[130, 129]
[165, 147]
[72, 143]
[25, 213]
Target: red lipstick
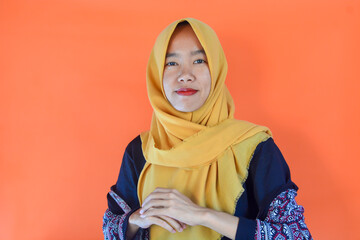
[186, 91]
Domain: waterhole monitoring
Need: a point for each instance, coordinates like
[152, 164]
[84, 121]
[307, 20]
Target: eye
[200, 61]
[171, 64]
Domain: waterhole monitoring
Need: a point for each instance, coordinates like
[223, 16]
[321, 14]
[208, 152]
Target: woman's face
[186, 79]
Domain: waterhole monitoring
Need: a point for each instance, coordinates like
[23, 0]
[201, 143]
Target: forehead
[184, 39]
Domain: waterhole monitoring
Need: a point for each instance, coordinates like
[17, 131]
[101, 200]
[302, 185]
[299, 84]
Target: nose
[186, 75]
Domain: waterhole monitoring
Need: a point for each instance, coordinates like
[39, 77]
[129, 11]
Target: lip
[186, 91]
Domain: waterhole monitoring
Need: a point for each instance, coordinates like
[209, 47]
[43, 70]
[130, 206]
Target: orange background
[72, 95]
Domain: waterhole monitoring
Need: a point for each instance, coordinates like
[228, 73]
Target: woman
[199, 173]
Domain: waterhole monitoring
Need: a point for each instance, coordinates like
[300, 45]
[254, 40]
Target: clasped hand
[168, 208]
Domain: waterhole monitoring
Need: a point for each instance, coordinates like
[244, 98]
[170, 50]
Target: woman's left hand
[172, 203]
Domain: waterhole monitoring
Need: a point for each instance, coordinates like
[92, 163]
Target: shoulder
[268, 157]
[251, 140]
[134, 146]
[267, 153]
[133, 156]
[267, 146]
[250, 133]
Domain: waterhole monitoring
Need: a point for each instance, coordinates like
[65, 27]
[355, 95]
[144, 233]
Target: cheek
[167, 85]
[168, 75]
[206, 81]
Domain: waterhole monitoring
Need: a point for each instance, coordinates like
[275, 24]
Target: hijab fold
[204, 154]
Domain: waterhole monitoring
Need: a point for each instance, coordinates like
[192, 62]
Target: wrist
[132, 227]
[221, 222]
[206, 216]
[132, 217]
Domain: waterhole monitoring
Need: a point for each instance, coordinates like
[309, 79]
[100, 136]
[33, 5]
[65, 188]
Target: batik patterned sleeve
[113, 223]
[122, 199]
[284, 220]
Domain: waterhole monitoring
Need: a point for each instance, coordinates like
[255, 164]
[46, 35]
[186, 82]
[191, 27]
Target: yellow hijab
[204, 154]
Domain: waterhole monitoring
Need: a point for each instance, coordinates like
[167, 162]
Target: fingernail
[142, 216]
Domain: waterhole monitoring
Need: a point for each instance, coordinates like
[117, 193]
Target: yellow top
[204, 154]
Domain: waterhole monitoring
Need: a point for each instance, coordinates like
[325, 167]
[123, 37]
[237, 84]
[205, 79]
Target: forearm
[220, 222]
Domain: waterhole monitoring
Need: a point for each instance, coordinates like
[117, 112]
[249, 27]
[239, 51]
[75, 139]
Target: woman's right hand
[165, 222]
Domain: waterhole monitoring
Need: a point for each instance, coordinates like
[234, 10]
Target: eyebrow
[172, 55]
[193, 53]
[201, 51]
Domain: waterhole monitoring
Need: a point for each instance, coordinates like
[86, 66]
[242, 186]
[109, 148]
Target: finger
[157, 195]
[169, 194]
[166, 190]
[183, 225]
[174, 223]
[160, 189]
[161, 222]
[156, 212]
[157, 203]
[152, 196]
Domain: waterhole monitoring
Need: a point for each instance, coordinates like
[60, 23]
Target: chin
[186, 109]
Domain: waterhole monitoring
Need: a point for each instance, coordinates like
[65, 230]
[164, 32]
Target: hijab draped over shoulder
[204, 154]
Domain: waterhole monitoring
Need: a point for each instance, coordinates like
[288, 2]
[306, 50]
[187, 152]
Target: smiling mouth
[186, 91]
